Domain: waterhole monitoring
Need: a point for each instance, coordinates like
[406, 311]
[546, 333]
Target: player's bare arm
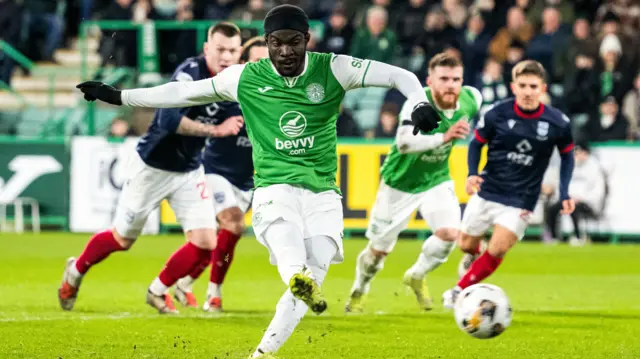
[474, 181]
[460, 130]
[230, 126]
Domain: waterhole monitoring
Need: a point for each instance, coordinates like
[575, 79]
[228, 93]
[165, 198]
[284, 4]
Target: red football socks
[480, 269]
[222, 256]
[99, 247]
[182, 262]
[198, 269]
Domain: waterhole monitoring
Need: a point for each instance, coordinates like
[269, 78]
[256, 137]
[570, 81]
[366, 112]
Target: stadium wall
[77, 183]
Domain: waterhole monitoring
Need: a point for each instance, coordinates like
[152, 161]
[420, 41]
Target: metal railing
[147, 33]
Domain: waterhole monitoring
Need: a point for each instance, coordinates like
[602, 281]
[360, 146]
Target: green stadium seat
[33, 121]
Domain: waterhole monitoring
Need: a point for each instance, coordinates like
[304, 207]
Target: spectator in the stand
[494, 16]
[436, 35]
[517, 28]
[631, 110]
[375, 41]
[581, 48]
[184, 10]
[41, 16]
[607, 124]
[610, 25]
[611, 75]
[586, 8]
[312, 45]
[338, 34]
[182, 45]
[627, 11]
[120, 128]
[323, 9]
[359, 19]
[118, 47]
[166, 9]
[393, 101]
[491, 84]
[587, 189]
[346, 125]
[474, 43]
[552, 38]
[535, 12]
[254, 10]
[218, 9]
[408, 24]
[527, 6]
[453, 49]
[10, 25]
[388, 122]
[514, 54]
[455, 13]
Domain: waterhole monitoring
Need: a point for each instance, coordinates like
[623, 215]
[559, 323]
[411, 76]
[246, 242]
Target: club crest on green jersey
[315, 92]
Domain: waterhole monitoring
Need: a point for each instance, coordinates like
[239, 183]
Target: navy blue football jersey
[520, 145]
[161, 147]
[230, 157]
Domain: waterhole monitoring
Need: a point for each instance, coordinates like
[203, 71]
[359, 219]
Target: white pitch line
[120, 316]
[125, 315]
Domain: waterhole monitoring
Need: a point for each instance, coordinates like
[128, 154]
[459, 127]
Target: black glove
[424, 118]
[96, 90]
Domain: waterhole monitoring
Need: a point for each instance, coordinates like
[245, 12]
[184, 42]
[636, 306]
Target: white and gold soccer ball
[483, 311]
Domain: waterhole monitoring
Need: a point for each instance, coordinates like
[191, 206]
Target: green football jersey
[420, 171]
[291, 122]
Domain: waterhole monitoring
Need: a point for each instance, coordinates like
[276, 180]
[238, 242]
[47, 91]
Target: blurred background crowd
[589, 47]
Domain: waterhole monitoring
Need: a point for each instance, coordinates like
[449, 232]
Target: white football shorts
[393, 209]
[144, 189]
[315, 214]
[225, 195]
[480, 215]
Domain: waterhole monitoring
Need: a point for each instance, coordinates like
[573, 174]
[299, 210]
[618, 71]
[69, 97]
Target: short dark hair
[252, 42]
[227, 29]
[444, 59]
[529, 67]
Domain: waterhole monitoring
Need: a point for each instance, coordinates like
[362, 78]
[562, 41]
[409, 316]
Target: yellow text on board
[359, 176]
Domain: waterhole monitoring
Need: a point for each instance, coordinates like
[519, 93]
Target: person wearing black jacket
[41, 16]
[10, 25]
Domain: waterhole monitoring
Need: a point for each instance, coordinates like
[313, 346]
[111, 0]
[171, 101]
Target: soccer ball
[483, 311]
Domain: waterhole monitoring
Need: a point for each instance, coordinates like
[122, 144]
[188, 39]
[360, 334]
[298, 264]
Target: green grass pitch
[568, 303]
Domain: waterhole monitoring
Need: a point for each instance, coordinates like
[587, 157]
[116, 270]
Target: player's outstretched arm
[222, 87]
[356, 73]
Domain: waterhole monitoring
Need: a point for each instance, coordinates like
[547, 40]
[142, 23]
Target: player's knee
[501, 241]
[125, 243]
[448, 234]
[498, 247]
[204, 238]
[232, 219]
[468, 244]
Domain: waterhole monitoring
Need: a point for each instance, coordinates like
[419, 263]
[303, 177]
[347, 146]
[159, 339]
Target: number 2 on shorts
[204, 193]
